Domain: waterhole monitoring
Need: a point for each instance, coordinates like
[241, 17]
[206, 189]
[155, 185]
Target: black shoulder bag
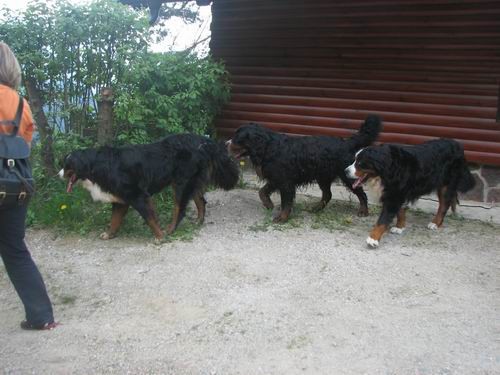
[16, 179]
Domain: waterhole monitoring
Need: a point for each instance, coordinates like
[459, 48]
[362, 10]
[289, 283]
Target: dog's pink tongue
[71, 181]
[358, 182]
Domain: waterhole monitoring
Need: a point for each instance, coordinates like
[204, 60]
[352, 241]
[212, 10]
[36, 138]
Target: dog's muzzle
[350, 171]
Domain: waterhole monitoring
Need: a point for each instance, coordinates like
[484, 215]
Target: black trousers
[20, 267]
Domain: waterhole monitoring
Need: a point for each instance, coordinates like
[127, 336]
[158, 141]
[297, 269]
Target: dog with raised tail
[287, 162]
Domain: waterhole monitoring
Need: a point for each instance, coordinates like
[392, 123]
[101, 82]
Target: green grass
[66, 300]
[296, 220]
[336, 216]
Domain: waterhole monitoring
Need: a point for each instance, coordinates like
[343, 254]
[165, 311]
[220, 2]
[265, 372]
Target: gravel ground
[248, 297]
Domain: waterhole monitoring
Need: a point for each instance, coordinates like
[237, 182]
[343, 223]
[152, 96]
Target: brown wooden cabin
[429, 68]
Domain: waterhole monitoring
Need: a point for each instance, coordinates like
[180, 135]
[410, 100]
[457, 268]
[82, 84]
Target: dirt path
[245, 297]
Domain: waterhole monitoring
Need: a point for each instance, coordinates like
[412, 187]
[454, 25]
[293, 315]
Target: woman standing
[20, 267]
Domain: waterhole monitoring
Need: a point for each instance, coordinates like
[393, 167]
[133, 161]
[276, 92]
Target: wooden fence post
[105, 116]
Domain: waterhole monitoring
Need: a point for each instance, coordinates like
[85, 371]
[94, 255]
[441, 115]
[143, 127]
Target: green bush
[170, 93]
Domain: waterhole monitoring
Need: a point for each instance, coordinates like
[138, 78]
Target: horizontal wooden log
[369, 105]
[417, 78]
[405, 23]
[364, 94]
[355, 114]
[360, 40]
[463, 57]
[481, 69]
[341, 6]
[458, 89]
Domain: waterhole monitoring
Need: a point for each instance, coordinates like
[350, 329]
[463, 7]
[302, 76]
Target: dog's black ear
[62, 162]
[257, 142]
[377, 158]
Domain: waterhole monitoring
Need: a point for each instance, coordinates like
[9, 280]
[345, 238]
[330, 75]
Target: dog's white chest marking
[99, 195]
[376, 188]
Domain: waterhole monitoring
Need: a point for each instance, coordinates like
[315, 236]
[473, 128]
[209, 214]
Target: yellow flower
[63, 207]
[242, 163]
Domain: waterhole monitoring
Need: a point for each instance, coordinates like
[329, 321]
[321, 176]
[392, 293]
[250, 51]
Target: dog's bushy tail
[225, 173]
[466, 181]
[367, 134]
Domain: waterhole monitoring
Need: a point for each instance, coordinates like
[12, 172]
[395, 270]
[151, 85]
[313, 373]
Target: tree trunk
[105, 117]
[36, 104]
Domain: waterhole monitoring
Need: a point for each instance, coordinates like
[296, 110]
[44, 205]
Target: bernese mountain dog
[130, 175]
[286, 162]
[408, 172]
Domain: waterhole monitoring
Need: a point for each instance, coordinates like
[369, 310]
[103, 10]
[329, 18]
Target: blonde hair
[10, 71]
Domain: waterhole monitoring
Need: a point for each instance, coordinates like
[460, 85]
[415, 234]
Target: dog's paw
[363, 212]
[372, 242]
[396, 230]
[159, 241]
[268, 205]
[105, 236]
[432, 226]
[279, 220]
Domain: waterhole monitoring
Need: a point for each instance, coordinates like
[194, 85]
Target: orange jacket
[9, 100]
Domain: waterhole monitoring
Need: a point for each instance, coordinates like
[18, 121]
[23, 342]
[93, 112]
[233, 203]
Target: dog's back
[430, 166]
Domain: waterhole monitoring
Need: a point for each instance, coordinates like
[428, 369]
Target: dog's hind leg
[200, 202]
[265, 196]
[446, 198]
[360, 193]
[183, 192]
[117, 214]
[326, 195]
[287, 197]
[144, 205]
[175, 212]
[401, 221]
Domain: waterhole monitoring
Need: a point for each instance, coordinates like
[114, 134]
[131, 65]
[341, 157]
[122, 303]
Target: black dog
[129, 176]
[408, 172]
[287, 162]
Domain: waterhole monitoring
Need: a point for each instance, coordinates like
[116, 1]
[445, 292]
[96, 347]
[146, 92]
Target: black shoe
[44, 327]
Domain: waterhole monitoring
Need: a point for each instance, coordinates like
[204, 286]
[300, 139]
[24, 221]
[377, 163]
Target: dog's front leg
[389, 211]
[117, 215]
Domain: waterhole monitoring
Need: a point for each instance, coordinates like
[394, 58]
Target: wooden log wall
[429, 68]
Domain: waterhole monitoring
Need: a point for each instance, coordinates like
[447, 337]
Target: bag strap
[25, 182]
[17, 120]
